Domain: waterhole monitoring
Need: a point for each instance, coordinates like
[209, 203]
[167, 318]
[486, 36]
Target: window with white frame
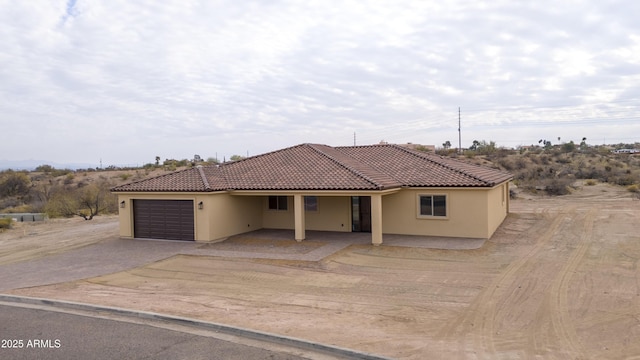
[432, 205]
[311, 203]
[278, 203]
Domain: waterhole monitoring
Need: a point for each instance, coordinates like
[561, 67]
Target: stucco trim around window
[432, 206]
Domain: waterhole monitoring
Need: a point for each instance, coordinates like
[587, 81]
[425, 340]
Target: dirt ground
[558, 280]
[32, 240]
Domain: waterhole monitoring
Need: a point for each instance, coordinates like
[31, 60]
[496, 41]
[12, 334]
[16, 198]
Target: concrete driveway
[105, 257]
[114, 254]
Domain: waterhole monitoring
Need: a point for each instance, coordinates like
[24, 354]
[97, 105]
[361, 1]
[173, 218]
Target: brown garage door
[163, 219]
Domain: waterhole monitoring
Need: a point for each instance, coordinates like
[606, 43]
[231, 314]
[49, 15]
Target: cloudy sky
[125, 81]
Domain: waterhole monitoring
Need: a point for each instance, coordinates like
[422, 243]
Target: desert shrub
[506, 164]
[592, 173]
[9, 202]
[125, 176]
[533, 157]
[45, 168]
[68, 180]
[23, 208]
[520, 163]
[5, 223]
[544, 160]
[569, 147]
[500, 153]
[60, 172]
[558, 186]
[86, 202]
[14, 183]
[590, 182]
[625, 180]
[633, 188]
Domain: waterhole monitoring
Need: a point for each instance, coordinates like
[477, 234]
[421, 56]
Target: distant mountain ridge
[32, 164]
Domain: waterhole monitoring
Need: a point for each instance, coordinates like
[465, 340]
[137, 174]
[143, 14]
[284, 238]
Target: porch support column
[298, 214]
[376, 219]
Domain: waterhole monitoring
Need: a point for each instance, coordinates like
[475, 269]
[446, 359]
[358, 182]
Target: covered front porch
[341, 212]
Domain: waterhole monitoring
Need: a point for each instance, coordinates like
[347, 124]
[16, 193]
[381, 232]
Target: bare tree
[86, 202]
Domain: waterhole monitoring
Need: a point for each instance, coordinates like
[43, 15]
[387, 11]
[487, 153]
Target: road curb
[227, 329]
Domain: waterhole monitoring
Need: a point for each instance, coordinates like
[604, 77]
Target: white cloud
[127, 80]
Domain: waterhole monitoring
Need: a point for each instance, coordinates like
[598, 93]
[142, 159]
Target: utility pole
[354, 138]
[459, 133]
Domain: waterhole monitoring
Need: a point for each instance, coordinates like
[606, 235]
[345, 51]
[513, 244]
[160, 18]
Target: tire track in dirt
[562, 327]
[560, 289]
[482, 312]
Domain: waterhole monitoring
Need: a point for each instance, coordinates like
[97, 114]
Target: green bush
[569, 147]
[5, 223]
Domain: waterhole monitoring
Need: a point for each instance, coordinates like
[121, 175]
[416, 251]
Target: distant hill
[32, 164]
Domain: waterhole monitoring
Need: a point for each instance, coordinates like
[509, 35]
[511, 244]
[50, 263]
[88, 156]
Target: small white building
[627, 151]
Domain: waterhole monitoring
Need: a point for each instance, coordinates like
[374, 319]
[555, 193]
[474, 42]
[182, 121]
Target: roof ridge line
[261, 155]
[203, 177]
[459, 171]
[358, 173]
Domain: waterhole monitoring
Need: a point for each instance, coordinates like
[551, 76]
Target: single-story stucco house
[381, 189]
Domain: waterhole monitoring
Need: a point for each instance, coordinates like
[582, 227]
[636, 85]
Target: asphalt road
[28, 333]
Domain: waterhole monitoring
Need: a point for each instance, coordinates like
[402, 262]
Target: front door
[361, 213]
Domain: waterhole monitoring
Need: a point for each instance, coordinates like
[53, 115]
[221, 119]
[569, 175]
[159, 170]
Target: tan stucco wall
[277, 219]
[466, 213]
[125, 217]
[333, 215]
[497, 206]
[230, 215]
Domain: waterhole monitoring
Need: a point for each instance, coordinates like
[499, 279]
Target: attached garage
[163, 219]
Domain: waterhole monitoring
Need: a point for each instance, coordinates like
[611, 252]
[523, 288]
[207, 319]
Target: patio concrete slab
[318, 245]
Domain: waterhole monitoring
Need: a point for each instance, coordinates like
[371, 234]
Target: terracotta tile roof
[420, 169]
[304, 167]
[184, 180]
[321, 167]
